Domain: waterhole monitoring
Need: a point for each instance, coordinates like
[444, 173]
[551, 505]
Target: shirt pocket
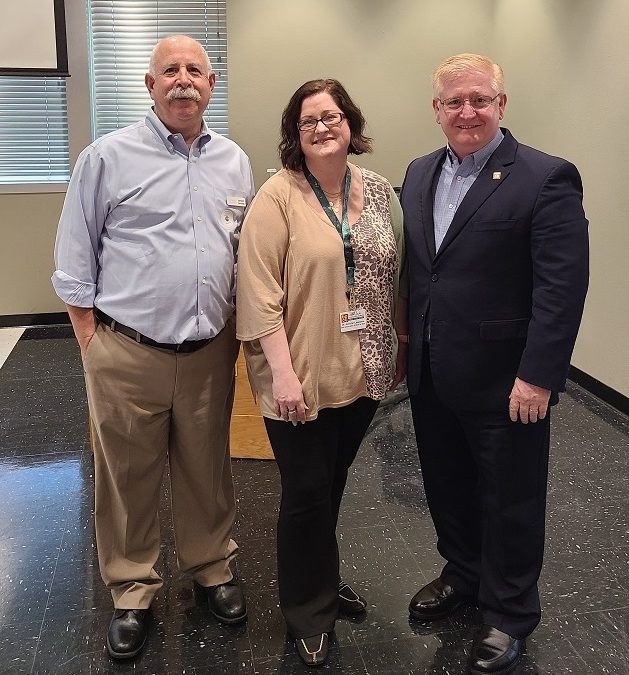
[230, 204]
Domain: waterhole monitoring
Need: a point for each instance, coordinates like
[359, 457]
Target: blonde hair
[462, 63]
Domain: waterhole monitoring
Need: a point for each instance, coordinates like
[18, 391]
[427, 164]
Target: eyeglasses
[477, 102]
[331, 119]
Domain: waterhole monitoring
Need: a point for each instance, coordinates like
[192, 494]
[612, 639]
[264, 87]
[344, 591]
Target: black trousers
[486, 481]
[313, 460]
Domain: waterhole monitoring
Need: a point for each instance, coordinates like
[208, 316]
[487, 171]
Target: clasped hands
[288, 394]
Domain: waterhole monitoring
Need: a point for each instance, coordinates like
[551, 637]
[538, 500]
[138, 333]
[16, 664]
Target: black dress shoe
[127, 633]
[494, 652]
[350, 603]
[226, 602]
[434, 601]
[313, 650]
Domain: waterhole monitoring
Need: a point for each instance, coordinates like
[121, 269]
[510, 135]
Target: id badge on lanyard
[355, 318]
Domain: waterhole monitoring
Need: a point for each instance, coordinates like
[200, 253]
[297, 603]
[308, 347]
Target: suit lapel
[494, 173]
[431, 176]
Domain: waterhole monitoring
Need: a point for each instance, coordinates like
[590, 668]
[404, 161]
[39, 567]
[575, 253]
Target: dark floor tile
[97, 663]
[616, 563]
[43, 413]
[33, 358]
[549, 650]
[422, 654]
[63, 643]
[53, 332]
[387, 615]
[17, 646]
[405, 502]
[44, 496]
[583, 522]
[575, 582]
[79, 539]
[595, 641]
[421, 540]
[195, 639]
[257, 564]
[253, 478]
[27, 555]
[77, 587]
[24, 595]
[256, 516]
[360, 508]
[372, 553]
[366, 478]
[618, 623]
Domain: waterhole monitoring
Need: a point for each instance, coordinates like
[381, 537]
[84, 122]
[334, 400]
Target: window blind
[122, 35]
[33, 130]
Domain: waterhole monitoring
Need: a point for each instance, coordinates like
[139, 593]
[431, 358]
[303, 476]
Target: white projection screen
[33, 38]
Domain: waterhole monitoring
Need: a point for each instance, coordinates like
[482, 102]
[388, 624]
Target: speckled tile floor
[54, 610]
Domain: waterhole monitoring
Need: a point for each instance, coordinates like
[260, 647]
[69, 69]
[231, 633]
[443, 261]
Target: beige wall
[565, 70]
[28, 221]
[28, 235]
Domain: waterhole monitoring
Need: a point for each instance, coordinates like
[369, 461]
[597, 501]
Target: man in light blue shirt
[146, 264]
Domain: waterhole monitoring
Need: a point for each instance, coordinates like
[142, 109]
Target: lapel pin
[497, 175]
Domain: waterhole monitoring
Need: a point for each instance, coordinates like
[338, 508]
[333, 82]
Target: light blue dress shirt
[149, 230]
[455, 180]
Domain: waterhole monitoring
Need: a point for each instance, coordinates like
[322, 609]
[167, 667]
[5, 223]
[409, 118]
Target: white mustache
[181, 92]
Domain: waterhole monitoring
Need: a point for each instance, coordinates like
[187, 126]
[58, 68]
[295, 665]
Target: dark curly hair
[290, 145]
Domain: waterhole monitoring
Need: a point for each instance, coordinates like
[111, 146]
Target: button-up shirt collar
[175, 141]
[455, 180]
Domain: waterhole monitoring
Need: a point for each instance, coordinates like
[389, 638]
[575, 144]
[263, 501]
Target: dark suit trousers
[485, 479]
[313, 460]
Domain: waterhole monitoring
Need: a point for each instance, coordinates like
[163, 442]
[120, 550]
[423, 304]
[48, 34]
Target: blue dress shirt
[455, 180]
[149, 230]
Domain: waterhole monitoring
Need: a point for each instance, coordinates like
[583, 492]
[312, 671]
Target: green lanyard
[343, 227]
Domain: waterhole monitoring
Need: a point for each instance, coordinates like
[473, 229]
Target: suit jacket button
[434, 277]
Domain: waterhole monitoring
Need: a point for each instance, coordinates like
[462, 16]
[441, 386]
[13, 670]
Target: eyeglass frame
[321, 119]
[469, 100]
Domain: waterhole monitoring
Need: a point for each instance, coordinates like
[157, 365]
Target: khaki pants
[149, 406]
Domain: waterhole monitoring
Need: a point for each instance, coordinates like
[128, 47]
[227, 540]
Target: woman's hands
[288, 397]
[288, 394]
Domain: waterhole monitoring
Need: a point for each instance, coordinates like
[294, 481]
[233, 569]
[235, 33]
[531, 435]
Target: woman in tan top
[319, 265]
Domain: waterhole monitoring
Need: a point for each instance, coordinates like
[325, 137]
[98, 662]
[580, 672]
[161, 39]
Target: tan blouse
[291, 272]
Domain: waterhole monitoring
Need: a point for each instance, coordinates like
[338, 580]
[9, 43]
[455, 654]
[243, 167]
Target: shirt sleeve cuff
[72, 291]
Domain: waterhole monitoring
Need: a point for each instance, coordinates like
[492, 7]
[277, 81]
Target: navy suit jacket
[505, 292]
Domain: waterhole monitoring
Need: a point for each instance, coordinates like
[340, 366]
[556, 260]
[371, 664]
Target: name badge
[236, 201]
[353, 319]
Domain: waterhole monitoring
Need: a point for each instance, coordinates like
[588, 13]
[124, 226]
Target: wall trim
[30, 320]
[596, 387]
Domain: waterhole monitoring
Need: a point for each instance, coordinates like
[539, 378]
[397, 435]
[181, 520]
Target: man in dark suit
[497, 250]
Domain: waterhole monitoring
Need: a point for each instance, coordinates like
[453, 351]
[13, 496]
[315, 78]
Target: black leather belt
[183, 348]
